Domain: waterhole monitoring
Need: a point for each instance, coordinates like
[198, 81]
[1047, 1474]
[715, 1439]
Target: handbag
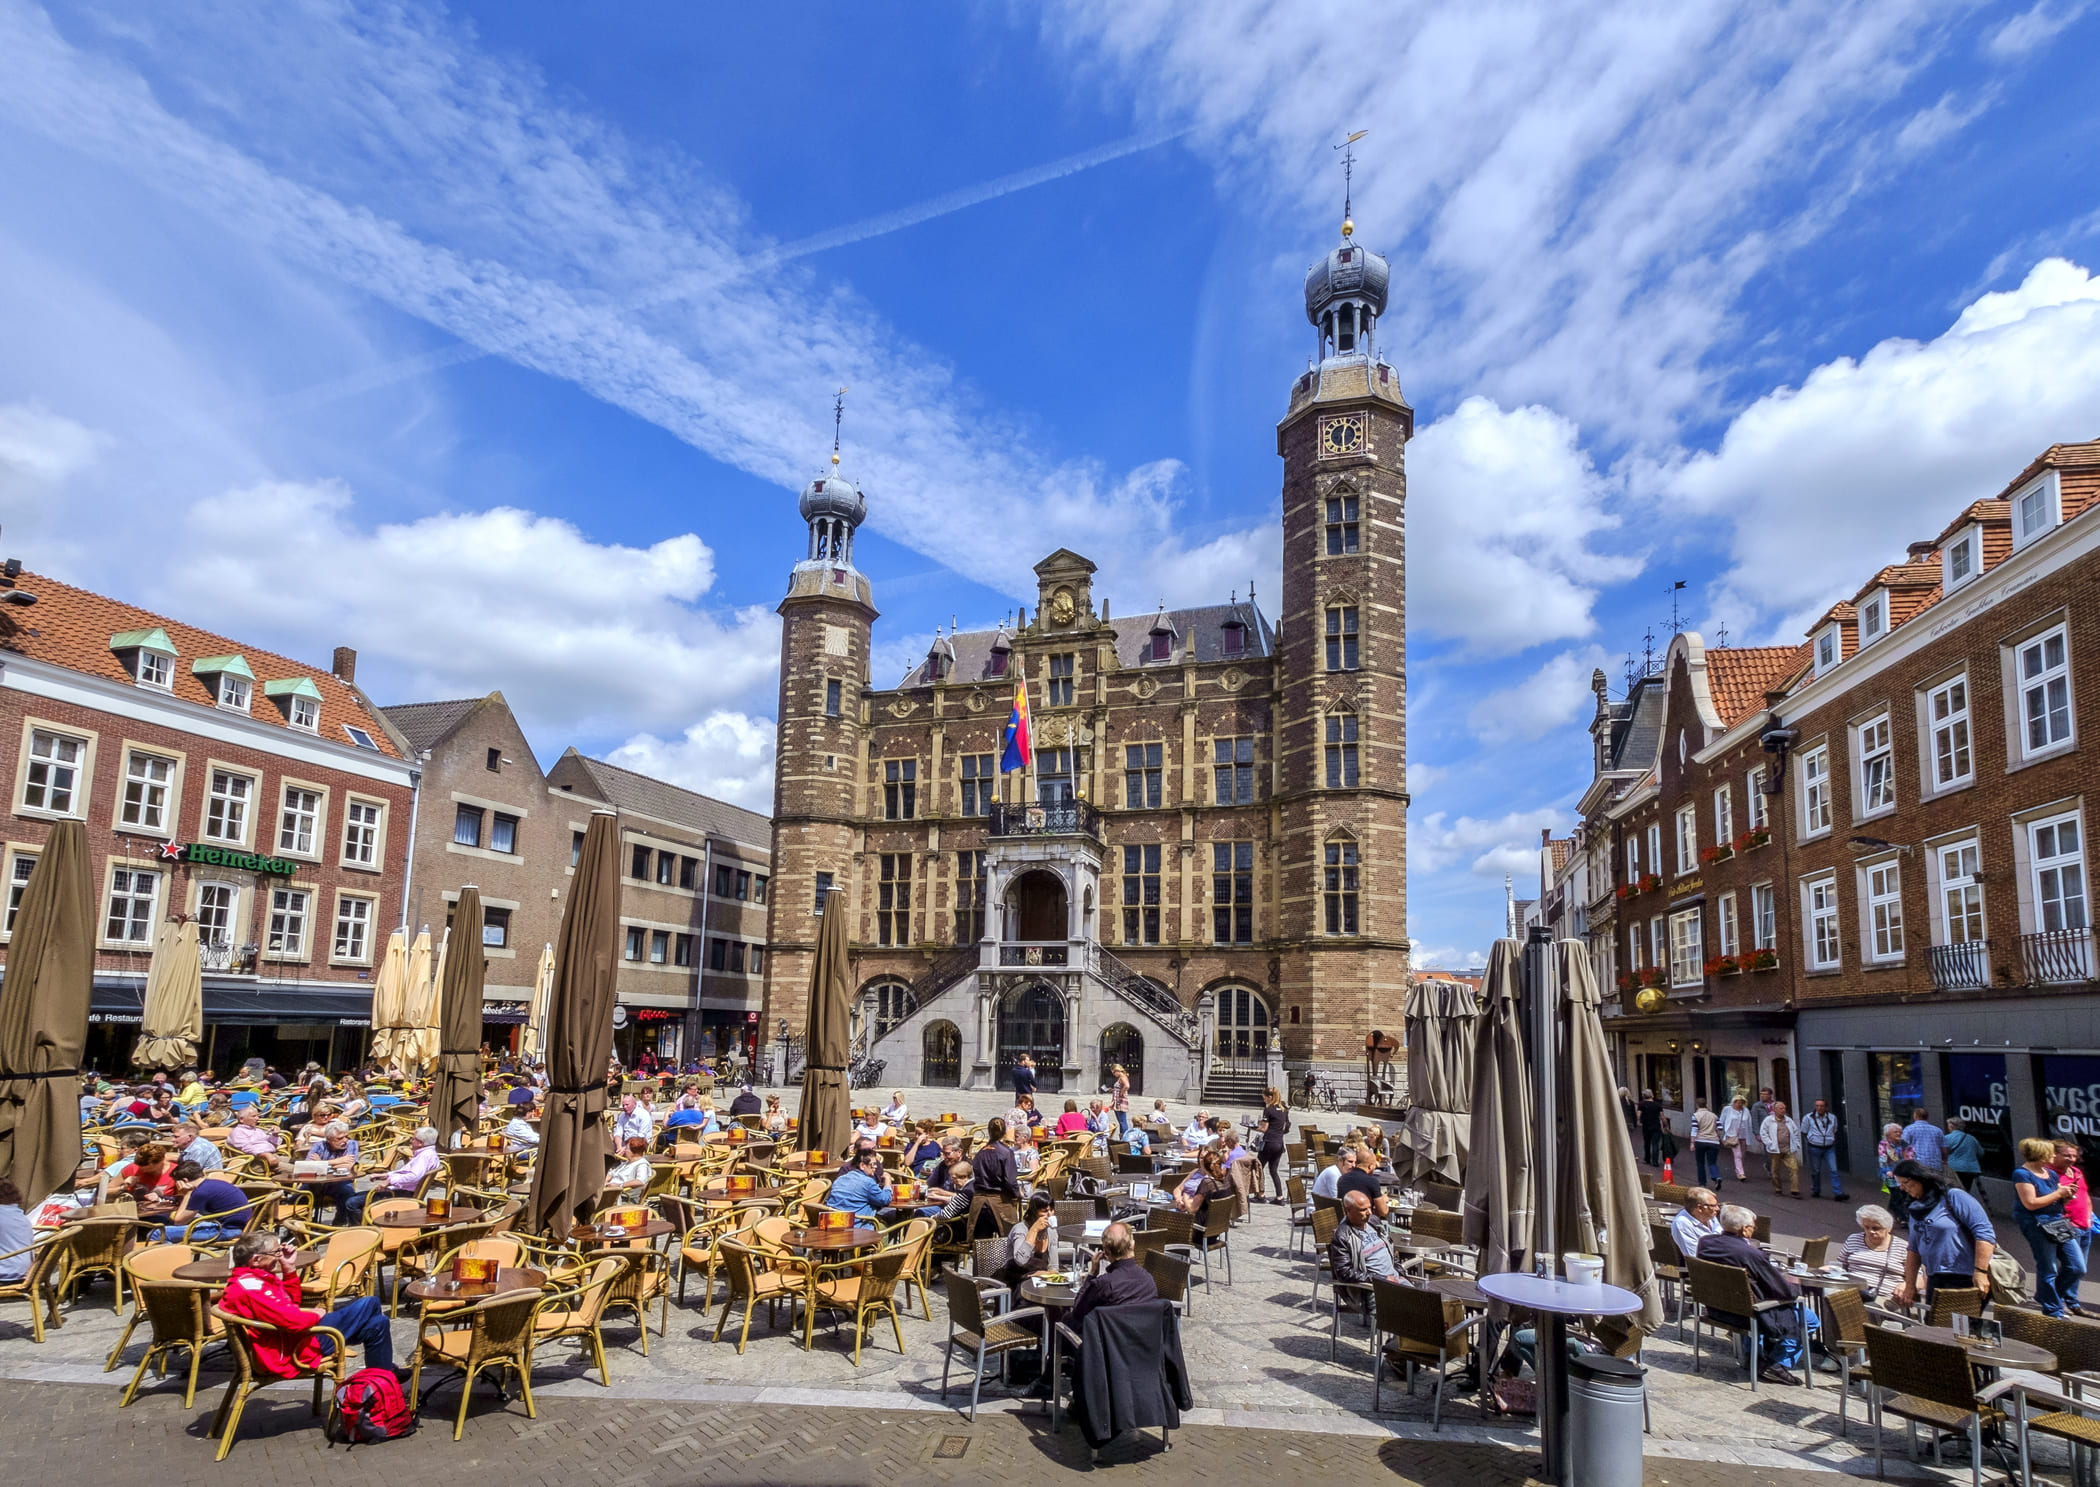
[2061, 1231]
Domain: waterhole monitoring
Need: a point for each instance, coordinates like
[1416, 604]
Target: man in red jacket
[265, 1289]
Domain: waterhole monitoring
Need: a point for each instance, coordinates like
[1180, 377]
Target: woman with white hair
[339, 1150]
[1873, 1255]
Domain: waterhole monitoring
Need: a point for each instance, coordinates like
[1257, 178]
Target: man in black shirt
[745, 1103]
[1024, 1077]
[1359, 1179]
[1650, 1114]
[1778, 1329]
[1118, 1279]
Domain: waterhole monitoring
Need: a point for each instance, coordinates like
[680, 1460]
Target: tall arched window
[1338, 885]
[1341, 748]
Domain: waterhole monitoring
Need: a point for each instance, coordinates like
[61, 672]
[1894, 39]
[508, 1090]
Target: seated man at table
[207, 1206]
[1117, 1279]
[635, 1171]
[519, 1133]
[1329, 1181]
[422, 1162]
[1360, 1178]
[250, 1138]
[862, 1191]
[190, 1146]
[1700, 1216]
[1779, 1343]
[1358, 1253]
[339, 1150]
[1139, 1138]
[264, 1288]
[745, 1103]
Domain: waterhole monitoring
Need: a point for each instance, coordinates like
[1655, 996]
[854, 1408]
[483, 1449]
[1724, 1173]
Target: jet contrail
[679, 288]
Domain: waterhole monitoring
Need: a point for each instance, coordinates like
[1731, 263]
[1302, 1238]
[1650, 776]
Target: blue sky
[496, 340]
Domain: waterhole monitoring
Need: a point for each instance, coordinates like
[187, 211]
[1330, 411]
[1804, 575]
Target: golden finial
[838, 416]
[1348, 226]
[1348, 149]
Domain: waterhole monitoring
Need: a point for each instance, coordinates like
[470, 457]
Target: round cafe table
[508, 1279]
[720, 1192]
[832, 1241]
[2007, 1354]
[1463, 1289]
[653, 1228]
[218, 1271]
[422, 1218]
[1055, 1297]
[1556, 1300]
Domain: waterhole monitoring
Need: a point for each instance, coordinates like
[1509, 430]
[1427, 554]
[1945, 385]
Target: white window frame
[155, 669]
[1950, 733]
[1881, 912]
[2044, 499]
[1814, 794]
[290, 907]
[1757, 803]
[1636, 958]
[21, 862]
[304, 713]
[1687, 839]
[1965, 546]
[301, 806]
[1659, 941]
[53, 775]
[1764, 917]
[234, 691]
[156, 797]
[1655, 850]
[1731, 931]
[1830, 648]
[1873, 618]
[1874, 767]
[370, 834]
[246, 802]
[1958, 898]
[1822, 931]
[1724, 815]
[139, 931]
[356, 913]
[2026, 688]
[1633, 858]
[1687, 948]
[2053, 895]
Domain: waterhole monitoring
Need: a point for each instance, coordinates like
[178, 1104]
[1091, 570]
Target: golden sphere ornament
[1649, 999]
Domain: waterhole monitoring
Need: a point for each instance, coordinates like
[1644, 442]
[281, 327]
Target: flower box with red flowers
[1652, 976]
[1720, 852]
[1723, 965]
[1763, 960]
[1626, 890]
[1756, 836]
[1649, 883]
[1626, 981]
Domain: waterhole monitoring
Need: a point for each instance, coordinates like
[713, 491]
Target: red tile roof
[2081, 478]
[1737, 678]
[71, 627]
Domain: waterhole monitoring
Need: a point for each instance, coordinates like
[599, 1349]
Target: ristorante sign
[232, 857]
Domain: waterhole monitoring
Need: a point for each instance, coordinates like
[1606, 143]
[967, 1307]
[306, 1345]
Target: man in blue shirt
[1928, 1145]
[860, 1190]
[207, 1206]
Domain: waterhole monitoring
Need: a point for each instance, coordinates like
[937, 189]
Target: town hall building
[1203, 878]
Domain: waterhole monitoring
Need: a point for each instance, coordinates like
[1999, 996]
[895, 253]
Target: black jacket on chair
[1130, 1374]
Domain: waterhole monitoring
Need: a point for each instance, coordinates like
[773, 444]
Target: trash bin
[1604, 1421]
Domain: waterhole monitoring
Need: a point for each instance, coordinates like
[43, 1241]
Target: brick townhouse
[265, 798]
[1858, 870]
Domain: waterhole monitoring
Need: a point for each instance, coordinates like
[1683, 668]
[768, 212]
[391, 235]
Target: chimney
[345, 664]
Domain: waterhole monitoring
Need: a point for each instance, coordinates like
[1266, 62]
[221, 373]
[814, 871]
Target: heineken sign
[233, 857]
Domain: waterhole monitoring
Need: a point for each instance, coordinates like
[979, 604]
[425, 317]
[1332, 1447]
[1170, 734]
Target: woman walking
[2078, 1208]
[1275, 1133]
[2040, 1193]
[1706, 1145]
[1735, 1130]
[1892, 1151]
[1120, 1101]
[1951, 1238]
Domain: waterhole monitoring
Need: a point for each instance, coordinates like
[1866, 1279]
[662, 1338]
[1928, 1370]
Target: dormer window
[996, 666]
[300, 701]
[1235, 638]
[1960, 563]
[2035, 510]
[148, 655]
[1872, 618]
[1826, 650]
[1162, 646]
[228, 679]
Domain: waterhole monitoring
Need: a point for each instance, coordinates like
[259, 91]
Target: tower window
[831, 699]
[1341, 888]
[823, 891]
[1341, 638]
[900, 789]
[1141, 772]
[1061, 681]
[893, 900]
[1141, 895]
[1162, 645]
[996, 666]
[1341, 751]
[1341, 525]
[1232, 892]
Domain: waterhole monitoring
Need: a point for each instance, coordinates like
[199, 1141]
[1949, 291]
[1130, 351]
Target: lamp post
[783, 1079]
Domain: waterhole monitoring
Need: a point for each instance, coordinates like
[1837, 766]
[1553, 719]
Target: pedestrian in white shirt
[1781, 1135]
[1735, 1131]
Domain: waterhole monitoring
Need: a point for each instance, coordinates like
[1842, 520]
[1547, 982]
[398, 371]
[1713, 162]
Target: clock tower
[1342, 714]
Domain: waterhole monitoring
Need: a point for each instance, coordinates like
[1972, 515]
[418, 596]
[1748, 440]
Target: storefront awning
[237, 1001]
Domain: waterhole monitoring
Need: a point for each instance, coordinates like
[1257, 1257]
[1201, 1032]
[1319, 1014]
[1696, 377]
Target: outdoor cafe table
[654, 1228]
[832, 1241]
[1556, 1301]
[218, 1271]
[1055, 1297]
[1460, 1288]
[2010, 1353]
[422, 1218]
[508, 1279]
[721, 1192]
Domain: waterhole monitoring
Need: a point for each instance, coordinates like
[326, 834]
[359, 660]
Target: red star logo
[171, 851]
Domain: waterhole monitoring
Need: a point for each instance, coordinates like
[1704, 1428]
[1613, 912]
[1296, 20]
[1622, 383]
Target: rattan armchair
[249, 1375]
[644, 1280]
[576, 1314]
[1846, 1341]
[153, 1262]
[1170, 1275]
[1919, 1380]
[867, 1288]
[757, 1275]
[1424, 1327]
[1668, 1262]
[1324, 1222]
[497, 1333]
[699, 1249]
[981, 1337]
[180, 1319]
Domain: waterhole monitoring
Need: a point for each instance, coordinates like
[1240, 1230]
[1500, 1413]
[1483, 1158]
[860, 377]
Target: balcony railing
[1061, 818]
[217, 955]
[2057, 957]
[1962, 967]
[1028, 953]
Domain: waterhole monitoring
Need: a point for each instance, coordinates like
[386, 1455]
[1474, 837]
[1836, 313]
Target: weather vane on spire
[838, 418]
[1348, 149]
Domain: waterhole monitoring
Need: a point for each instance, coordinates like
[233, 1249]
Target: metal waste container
[1604, 1421]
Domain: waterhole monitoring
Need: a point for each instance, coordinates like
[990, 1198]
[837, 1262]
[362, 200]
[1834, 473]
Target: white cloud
[39, 445]
[728, 755]
[382, 151]
[1488, 847]
[1443, 957]
[1551, 697]
[1574, 196]
[1504, 511]
[1421, 777]
[2034, 28]
[1823, 483]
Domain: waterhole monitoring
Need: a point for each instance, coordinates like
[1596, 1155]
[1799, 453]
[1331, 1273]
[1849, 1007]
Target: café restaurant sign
[232, 857]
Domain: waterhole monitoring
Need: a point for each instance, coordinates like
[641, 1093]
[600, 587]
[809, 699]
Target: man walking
[1650, 1111]
[1928, 1146]
[1759, 1109]
[1781, 1135]
[1819, 1138]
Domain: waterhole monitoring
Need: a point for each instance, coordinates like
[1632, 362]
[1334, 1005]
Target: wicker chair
[347, 1267]
[1213, 1236]
[980, 1336]
[153, 1262]
[1722, 1299]
[1949, 1302]
[1437, 1242]
[249, 1375]
[1846, 1341]
[2074, 1340]
[1170, 1273]
[1324, 1222]
[1918, 1379]
[916, 1234]
[1672, 1192]
[1668, 1261]
[1443, 1195]
[98, 1248]
[1815, 1251]
[1423, 1326]
[645, 1278]
[179, 1318]
[1300, 1219]
[697, 1250]
[757, 1275]
[499, 1333]
[576, 1314]
[867, 1288]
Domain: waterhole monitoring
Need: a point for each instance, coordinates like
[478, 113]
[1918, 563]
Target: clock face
[1343, 434]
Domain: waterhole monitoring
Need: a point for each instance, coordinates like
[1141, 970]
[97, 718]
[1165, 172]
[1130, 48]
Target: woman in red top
[1072, 1122]
[2077, 1211]
[149, 1177]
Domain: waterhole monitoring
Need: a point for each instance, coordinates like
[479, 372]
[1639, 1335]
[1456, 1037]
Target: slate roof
[1202, 628]
[72, 627]
[628, 791]
[425, 724]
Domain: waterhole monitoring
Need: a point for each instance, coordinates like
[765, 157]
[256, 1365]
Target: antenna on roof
[1348, 149]
[1676, 626]
[838, 419]
[1235, 596]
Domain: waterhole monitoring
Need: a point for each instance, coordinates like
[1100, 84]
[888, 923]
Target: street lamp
[783, 1079]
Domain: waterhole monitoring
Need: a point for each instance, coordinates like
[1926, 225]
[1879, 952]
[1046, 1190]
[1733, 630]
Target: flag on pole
[1019, 751]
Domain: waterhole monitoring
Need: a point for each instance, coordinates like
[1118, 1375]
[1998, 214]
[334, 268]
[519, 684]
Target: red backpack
[370, 1407]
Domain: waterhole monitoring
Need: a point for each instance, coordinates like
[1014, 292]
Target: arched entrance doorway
[1036, 908]
[940, 1056]
[1123, 1044]
[1240, 1031]
[1032, 1021]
